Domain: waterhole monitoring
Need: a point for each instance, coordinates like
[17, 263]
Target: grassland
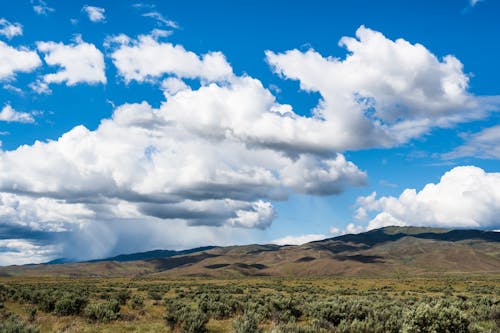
[402, 303]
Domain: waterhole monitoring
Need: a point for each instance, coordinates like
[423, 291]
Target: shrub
[137, 302]
[248, 323]
[103, 312]
[46, 301]
[284, 309]
[32, 314]
[123, 295]
[154, 295]
[70, 304]
[435, 318]
[294, 328]
[194, 322]
[174, 313]
[14, 324]
[495, 315]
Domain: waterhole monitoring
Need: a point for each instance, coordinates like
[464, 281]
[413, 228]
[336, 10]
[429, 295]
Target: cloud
[351, 228]
[80, 62]
[40, 87]
[465, 197]
[41, 8]
[298, 240]
[172, 86]
[391, 91]
[484, 144]
[158, 17]
[14, 60]
[8, 114]
[134, 60]
[95, 14]
[13, 89]
[9, 29]
[202, 161]
[22, 252]
[474, 2]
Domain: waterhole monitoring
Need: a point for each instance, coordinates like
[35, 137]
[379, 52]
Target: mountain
[380, 252]
[152, 254]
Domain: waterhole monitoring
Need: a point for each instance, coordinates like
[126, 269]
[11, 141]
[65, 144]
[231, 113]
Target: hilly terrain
[381, 252]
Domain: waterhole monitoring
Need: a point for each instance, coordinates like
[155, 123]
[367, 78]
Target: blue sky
[129, 126]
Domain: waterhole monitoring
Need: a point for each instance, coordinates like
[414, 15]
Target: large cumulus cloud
[466, 197]
[391, 91]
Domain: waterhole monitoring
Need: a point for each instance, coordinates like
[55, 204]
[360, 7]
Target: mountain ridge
[378, 252]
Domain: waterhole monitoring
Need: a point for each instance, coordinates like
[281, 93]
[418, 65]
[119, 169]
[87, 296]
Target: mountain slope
[379, 252]
[152, 254]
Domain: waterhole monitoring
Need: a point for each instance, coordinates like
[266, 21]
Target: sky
[129, 126]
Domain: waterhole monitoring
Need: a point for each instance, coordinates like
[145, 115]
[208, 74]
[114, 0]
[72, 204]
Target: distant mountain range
[380, 252]
[134, 256]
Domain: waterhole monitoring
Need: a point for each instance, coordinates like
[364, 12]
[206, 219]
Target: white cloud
[79, 62]
[351, 228]
[313, 175]
[41, 8]
[172, 86]
[298, 240]
[14, 60]
[161, 19]
[9, 29]
[484, 144]
[8, 114]
[391, 91]
[465, 197]
[159, 33]
[13, 88]
[95, 14]
[474, 2]
[22, 252]
[194, 162]
[146, 58]
[40, 87]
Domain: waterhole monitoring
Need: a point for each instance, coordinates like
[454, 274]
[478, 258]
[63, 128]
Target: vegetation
[197, 305]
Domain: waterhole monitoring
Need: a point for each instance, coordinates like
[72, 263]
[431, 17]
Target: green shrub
[136, 302]
[103, 312]
[194, 322]
[294, 328]
[70, 304]
[495, 315]
[154, 295]
[123, 295]
[437, 318]
[14, 324]
[175, 312]
[248, 323]
[46, 301]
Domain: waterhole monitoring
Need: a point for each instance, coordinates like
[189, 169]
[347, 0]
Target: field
[268, 304]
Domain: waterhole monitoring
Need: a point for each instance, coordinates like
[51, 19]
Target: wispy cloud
[474, 2]
[485, 144]
[161, 19]
[41, 8]
[95, 14]
[471, 5]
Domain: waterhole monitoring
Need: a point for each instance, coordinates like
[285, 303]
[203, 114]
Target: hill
[380, 252]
